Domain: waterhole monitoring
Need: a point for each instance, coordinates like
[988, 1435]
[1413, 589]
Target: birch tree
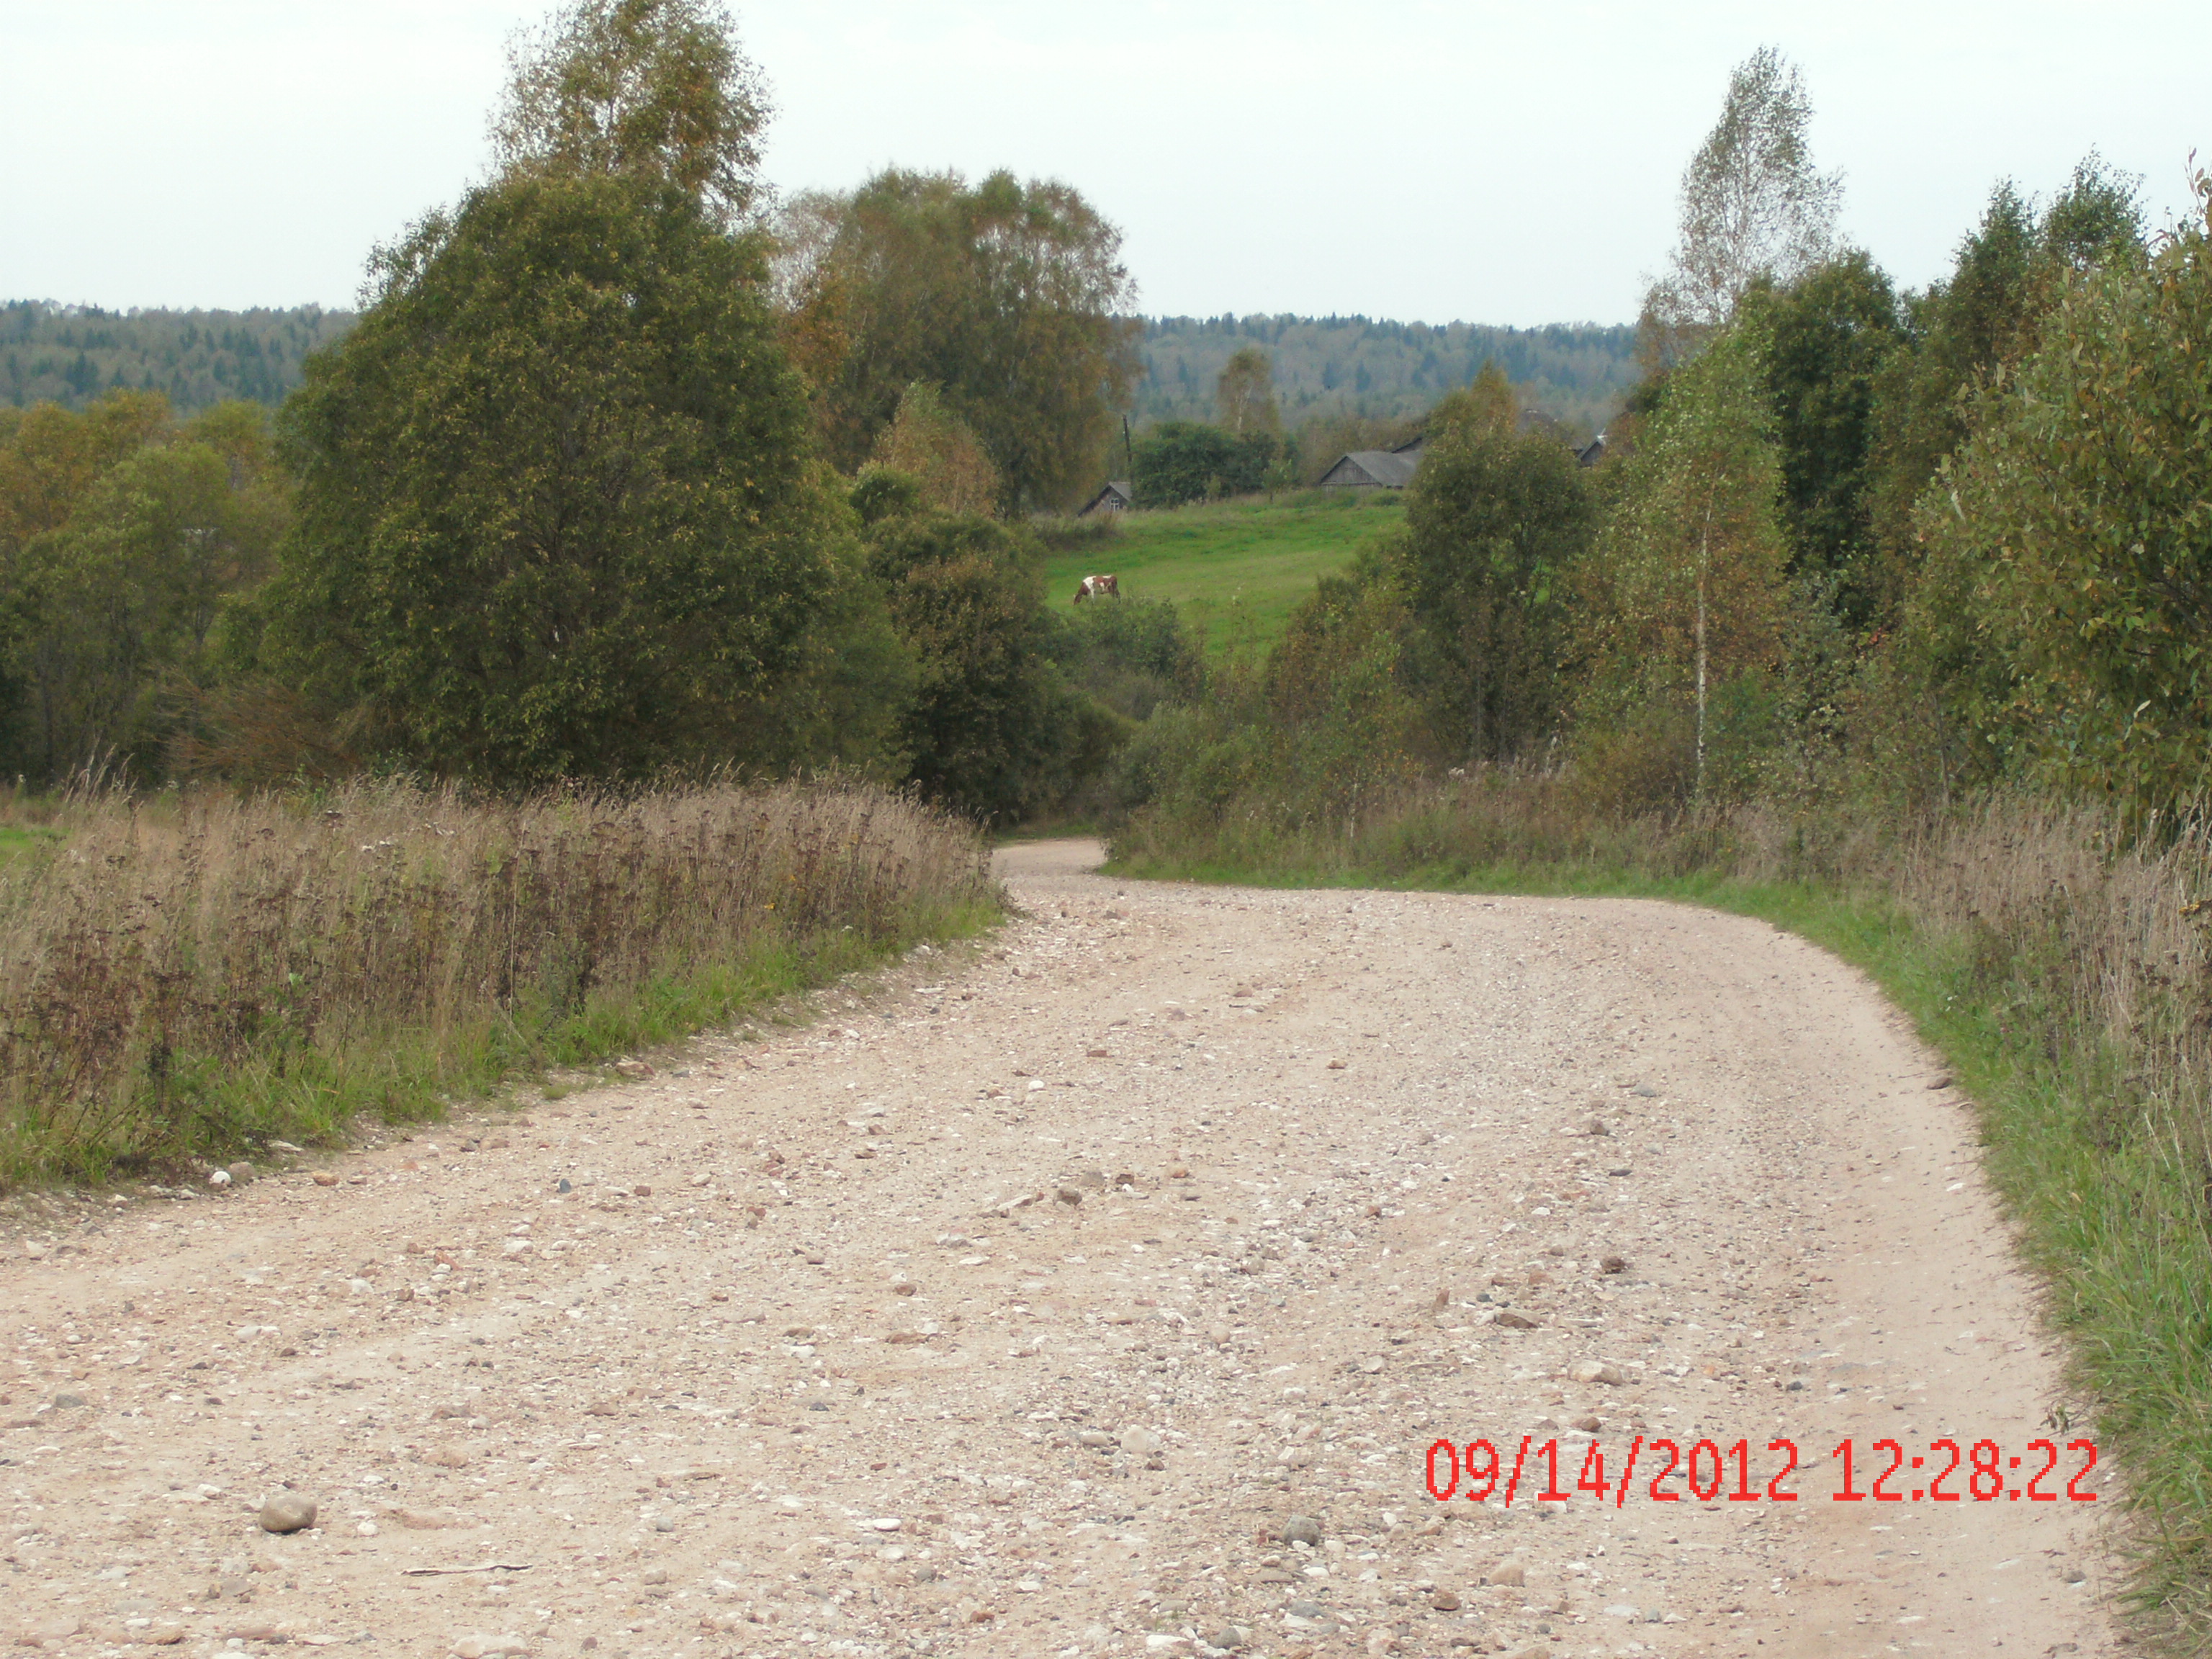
[1691, 577]
[655, 88]
[1753, 206]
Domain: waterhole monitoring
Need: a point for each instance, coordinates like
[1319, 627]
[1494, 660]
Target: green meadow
[1234, 569]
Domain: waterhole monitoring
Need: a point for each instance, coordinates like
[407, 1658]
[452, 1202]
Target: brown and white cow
[1092, 587]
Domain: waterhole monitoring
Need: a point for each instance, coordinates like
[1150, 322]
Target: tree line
[1848, 542]
[72, 355]
[1333, 368]
[617, 473]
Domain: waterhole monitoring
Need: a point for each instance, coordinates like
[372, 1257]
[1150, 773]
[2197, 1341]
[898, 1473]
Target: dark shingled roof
[1372, 469]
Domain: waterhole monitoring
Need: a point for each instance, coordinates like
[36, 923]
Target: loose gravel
[1101, 1289]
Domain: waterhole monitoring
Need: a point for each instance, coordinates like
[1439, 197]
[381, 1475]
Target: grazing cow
[1092, 587]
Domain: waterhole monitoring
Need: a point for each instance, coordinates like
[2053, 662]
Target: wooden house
[1115, 497]
[1375, 468]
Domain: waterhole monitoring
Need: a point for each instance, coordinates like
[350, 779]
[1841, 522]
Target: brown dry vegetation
[199, 972]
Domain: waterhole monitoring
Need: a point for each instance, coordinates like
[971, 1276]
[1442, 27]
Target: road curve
[1020, 1300]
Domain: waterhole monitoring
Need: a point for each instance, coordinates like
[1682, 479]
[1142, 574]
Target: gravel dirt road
[1021, 1302]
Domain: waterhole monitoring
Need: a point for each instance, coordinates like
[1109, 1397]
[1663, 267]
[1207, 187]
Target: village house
[1376, 469]
[1117, 497]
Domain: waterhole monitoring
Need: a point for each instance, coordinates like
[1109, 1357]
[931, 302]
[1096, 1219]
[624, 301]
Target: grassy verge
[199, 974]
[2065, 984]
[1234, 569]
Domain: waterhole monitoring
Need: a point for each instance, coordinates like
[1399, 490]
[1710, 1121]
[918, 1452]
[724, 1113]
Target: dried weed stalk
[173, 968]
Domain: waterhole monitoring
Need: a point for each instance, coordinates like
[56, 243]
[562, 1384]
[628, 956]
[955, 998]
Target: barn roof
[1373, 469]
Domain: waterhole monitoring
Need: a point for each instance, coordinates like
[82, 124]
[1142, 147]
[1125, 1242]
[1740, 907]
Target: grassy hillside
[1235, 570]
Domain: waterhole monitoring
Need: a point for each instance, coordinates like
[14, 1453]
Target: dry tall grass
[178, 974]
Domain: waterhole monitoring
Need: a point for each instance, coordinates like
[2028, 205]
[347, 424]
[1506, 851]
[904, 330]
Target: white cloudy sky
[1508, 163]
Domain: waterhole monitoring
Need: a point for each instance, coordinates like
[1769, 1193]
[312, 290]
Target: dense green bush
[1182, 461]
[2070, 546]
[994, 730]
[556, 512]
[1131, 654]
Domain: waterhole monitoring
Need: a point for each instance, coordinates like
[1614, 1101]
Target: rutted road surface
[1018, 1304]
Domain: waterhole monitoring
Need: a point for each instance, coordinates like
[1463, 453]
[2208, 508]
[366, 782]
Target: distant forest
[69, 355]
[1323, 366]
[1577, 373]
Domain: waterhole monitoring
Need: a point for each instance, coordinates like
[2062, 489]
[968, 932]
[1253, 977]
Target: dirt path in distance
[1020, 1303]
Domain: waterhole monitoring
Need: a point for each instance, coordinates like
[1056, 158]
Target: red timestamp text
[1709, 1471]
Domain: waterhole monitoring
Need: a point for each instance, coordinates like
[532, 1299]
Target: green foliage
[1183, 461]
[556, 518]
[1008, 297]
[639, 89]
[928, 444]
[1688, 592]
[1131, 654]
[2010, 272]
[76, 355]
[994, 730]
[883, 492]
[1244, 394]
[1496, 520]
[1831, 332]
[1752, 206]
[127, 538]
[2073, 538]
[1323, 732]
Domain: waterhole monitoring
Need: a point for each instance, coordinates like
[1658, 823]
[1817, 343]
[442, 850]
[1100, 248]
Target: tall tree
[1180, 461]
[1831, 332]
[994, 729]
[144, 534]
[656, 89]
[1244, 393]
[2070, 571]
[2014, 267]
[1010, 297]
[1495, 519]
[933, 446]
[557, 512]
[1752, 206]
[1688, 584]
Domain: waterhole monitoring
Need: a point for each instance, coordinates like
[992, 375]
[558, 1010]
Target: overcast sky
[1502, 163]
